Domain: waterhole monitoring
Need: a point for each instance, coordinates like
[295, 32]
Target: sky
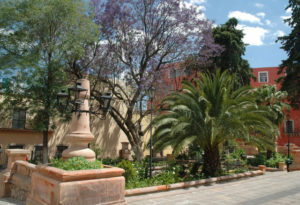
[261, 22]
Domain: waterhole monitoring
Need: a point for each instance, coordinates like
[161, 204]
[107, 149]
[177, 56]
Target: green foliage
[39, 41]
[110, 161]
[208, 113]
[291, 66]
[163, 178]
[176, 168]
[234, 161]
[260, 159]
[274, 100]
[231, 59]
[76, 163]
[274, 161]
[130, 171]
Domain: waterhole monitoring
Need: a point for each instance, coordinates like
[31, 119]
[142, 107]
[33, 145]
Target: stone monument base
[53, 186]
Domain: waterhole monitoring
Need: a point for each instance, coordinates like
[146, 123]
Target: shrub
[110, 161]
[274, 161]
[76, 163]
[260, 159]
[130, 172]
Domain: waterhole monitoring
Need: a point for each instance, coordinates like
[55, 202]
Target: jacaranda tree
[137, 39]
[208, 112]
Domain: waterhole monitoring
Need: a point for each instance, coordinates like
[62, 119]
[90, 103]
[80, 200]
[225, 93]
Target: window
[172, 87]
[178, 72]
[59, 150]
[19, 119]
[38, 153]
[172, 73]
[289, 126]
[187, 71]
[16, 146]
[263, 77]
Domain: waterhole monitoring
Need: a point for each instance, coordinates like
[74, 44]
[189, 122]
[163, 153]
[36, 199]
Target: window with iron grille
[19, 119]
[263, 77]
[289, 126]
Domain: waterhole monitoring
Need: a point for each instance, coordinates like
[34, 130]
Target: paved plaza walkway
[270, 189]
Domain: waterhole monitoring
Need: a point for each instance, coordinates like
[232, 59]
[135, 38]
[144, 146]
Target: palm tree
[208, 112]
[275, 100]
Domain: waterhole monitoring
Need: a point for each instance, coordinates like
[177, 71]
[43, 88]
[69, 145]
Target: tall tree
[210, 112]
[231, 58]
[38, 38]
[138, 37]
[291, 66]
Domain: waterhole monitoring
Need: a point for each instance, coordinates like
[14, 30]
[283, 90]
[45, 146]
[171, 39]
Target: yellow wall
[108, 136]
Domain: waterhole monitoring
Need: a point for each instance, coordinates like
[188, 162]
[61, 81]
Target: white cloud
[197, 4]
[268, 22]
[285, 17]
[279, 33]
[243, 16]
[261, 14]
[197, 1]
[258, 5]
[288, 11]
[198, 8]
[253, 35]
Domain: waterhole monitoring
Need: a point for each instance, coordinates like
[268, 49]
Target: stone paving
[270, 189]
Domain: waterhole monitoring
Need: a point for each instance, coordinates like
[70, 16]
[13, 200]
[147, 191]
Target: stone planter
[262, 168]
[281, 166]
[296, 162]
[53, 186]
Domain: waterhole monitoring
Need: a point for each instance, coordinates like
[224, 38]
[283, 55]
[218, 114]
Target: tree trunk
[138, 152]
[45, 147]
[211, 161]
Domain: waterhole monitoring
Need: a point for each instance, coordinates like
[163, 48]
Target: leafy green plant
[274, 161]
[260, 159]
[110, 161]
[130, 171]
[76, 163]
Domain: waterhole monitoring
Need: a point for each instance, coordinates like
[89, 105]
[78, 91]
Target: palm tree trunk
[211, 161]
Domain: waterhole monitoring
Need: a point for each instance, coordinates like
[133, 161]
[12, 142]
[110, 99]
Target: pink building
[268, 75]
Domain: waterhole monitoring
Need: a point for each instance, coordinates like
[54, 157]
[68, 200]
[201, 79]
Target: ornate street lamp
[151, 93]
[77, 101]
[289, 130]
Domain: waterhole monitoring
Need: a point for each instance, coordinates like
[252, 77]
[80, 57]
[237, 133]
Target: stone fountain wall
[20, 180]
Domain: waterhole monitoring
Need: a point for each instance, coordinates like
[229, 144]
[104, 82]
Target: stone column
[16, 154]
[80, 134]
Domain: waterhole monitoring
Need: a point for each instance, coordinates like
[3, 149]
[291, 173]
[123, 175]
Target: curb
[268, 169]
[152, 189]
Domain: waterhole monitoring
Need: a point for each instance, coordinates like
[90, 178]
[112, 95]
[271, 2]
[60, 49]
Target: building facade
[268, 75]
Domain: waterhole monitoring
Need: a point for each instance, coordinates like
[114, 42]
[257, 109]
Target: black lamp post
[72, 99]
[289, 130]
[151, 93]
